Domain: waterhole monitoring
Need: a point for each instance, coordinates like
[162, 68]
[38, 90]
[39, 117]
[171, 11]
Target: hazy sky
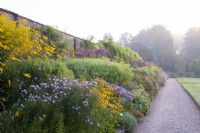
[97, 17]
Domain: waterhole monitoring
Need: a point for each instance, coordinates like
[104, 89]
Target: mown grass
[192, 85]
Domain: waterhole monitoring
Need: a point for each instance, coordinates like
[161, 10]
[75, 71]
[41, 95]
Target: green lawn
[192, 85]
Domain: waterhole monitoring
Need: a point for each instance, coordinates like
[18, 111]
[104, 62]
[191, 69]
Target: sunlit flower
[1, 30]
[27, 75]
[15, 59]
[1, 70]
[60, 57]
[2, 64]
[45, 38]
[17, 114]
[9, 83]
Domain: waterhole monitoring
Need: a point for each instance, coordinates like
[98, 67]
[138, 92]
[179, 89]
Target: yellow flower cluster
[17, 114]
[108, 97]
[1, 30]
[22, 41]
[4, 46]
[1, 66]
[1, 70]
[27, 75]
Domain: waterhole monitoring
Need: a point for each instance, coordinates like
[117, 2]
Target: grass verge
[192, 85]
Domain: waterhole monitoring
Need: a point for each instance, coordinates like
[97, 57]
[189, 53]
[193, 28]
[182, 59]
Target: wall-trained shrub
[120, 53]
[97, 68]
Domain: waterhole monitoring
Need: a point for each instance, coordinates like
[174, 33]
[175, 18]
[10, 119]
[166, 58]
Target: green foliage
[120, 53]
[14, 76]
[129, 122]
[93, 68]
[155, 45]
[147, 71]
[141, 101]
[194, 66]
[53, 34]
[151, 79]
[87, 44]
[37, 68]
[191, 49]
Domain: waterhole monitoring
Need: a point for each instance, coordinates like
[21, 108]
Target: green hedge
[97, 68]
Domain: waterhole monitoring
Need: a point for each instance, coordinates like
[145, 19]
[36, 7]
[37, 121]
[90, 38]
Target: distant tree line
[173, 53]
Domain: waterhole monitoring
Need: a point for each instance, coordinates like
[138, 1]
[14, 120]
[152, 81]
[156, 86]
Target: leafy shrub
[88, 44]
[120, 53]
[147, 71]
[93, 68]
[141, 101]
[151, 79]
[129, 122]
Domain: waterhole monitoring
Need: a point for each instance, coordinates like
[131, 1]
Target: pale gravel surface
[173, 111]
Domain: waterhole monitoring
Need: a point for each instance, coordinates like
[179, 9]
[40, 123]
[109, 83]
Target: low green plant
[98, 68]
[142, 100]
[129, 122]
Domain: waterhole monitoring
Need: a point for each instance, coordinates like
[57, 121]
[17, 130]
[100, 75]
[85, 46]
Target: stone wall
[15, 17]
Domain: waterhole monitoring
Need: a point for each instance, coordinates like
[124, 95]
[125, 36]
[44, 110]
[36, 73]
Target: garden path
[173, 111]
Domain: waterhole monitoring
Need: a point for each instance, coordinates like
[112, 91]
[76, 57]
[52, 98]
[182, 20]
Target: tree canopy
[191, 48]
[155, 45]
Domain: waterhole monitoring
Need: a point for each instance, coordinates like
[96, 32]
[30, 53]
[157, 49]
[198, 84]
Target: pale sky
[83, 18]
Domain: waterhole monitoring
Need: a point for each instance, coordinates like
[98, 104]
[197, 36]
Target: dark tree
[155, 45]
[191, 48]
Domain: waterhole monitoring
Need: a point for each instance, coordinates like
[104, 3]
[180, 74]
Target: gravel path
[173, 111]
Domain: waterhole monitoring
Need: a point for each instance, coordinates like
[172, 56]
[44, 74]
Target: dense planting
[70, 106]
[41, 93]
